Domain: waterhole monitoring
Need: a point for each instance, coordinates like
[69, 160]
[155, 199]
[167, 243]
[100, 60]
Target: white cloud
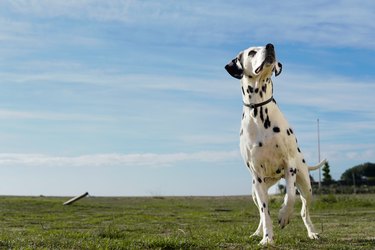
[347, 155]
[27, 115]
[335, 23]
[103, 10]
[9, 29]
[328, 92]
[58, 74]
[195, 139]
[122, 160]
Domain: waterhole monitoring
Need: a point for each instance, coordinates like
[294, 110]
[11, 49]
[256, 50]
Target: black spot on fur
[303, 160]
[277, 145]
[299, 150]
[264, 205]
[264, 88]
[266, 110]
[290, 130]
[256, 90]
[259, 180]
[287, 131]
[250, 89]
[276, 129]
[248, 164]
[293, 171]
[243, 115]
[241, 133]
[267, 122]
[261, 114]
[260, 144]
[262, 210]
[261, 94]
[278, 171]
[261, 166]
[243, 92]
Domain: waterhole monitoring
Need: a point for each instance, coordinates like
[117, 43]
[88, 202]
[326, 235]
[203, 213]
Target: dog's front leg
[261, 194]
[287, 209]
[257, 232]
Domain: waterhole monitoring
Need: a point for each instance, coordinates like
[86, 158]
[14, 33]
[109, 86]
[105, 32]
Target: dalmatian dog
[268, 145]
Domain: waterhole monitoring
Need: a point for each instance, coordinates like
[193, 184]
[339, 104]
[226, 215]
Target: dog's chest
[266, 140]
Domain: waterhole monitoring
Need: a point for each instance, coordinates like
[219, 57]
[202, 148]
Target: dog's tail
[312, 168]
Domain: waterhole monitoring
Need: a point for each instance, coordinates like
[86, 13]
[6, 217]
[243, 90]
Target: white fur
[268, 144]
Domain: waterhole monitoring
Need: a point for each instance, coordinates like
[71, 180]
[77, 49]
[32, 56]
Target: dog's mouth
[268, 61]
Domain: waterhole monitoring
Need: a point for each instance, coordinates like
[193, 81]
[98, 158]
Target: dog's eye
[252, 53]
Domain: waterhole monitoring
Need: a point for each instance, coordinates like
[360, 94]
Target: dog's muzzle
[269, 58]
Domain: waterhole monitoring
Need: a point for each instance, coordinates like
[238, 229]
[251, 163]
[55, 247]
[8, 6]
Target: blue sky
[131, 97]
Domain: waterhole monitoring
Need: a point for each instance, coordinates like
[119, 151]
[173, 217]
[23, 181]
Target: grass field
[345, 222]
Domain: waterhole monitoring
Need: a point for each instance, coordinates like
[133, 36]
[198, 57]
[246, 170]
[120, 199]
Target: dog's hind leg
[287, 209]
[304, 186]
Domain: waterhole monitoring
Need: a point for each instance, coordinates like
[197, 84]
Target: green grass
[345, 222]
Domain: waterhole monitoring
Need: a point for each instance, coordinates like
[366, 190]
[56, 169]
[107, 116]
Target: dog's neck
[256, 90]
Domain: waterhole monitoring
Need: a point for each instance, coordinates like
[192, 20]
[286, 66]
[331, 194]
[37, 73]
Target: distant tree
[364, 173]
[327, 178]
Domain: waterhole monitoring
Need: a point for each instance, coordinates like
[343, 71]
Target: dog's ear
[234, 68]
[278, 68]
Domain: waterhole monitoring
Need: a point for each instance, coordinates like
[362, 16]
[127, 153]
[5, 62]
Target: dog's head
[254, 62]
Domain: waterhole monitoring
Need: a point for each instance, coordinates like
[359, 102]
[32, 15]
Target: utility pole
[320, 173]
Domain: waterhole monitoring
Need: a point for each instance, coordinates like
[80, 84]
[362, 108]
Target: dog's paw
[284, 217]
[314, 236]
[283, 223]
[266, 241]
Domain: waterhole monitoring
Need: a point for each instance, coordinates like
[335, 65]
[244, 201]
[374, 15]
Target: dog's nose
[270, 46]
